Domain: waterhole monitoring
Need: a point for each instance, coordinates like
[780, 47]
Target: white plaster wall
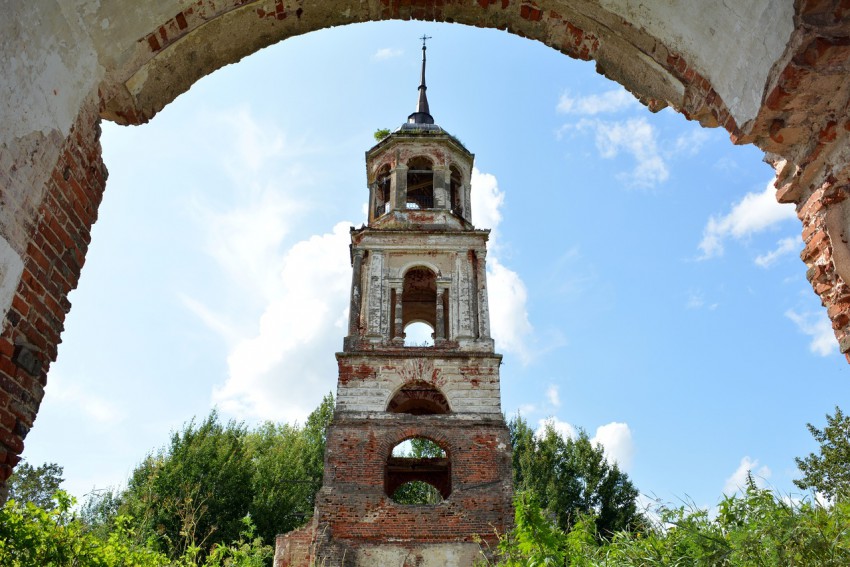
[433, 555]
[11, 268]
[374, 394]
[733, 43]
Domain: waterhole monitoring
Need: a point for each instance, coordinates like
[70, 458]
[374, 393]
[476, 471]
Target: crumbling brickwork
[59, 235]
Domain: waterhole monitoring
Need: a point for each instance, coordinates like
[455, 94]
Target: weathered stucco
[733, 44]
[771, 73]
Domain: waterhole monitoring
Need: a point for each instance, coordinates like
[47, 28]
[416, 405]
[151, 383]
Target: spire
[422, 114]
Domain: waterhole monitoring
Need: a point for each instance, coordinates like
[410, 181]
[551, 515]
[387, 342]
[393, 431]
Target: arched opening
[418, 472]
[145, 96]
[420, 184]
[418, 334]
[382, 192]
[419, 398]
[455, 191]
[419, 297]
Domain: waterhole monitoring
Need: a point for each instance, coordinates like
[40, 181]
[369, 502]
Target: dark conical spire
[422, 114]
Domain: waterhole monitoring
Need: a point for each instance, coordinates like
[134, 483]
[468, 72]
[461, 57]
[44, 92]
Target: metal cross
[424, 38]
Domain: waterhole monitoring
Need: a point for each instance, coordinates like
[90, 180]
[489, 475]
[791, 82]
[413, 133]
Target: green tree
[288, 462]
[35, 485]
[195, 491]
[572, 479]
[828, 472]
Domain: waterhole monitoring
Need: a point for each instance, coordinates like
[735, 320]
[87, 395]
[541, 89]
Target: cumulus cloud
[615, 439]
[287, 366]
[387, 53]
[738, 480]
[510, 326]
[818, 326]
[487, 202]
[754, 213]
[562, 428]
[783, 248]
[614, 100]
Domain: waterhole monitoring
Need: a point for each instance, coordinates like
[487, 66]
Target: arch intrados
[177, 52]
[437, 402]
[420, 162]
[419, 264]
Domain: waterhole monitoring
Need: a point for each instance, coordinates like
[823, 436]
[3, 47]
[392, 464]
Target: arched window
[416, 302]
[382, 191]
[419, 398]
[455, 191]
[418, 334]
[418, 472]
[419, 297]
[420, 184]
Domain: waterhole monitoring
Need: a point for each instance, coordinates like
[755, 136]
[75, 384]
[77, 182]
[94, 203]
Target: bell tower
[418, 459]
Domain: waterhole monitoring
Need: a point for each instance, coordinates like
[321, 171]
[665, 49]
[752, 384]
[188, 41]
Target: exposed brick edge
[55, 253]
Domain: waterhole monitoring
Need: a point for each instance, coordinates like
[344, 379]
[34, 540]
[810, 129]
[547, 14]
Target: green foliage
[197, 490]
[757, 528]
[381, 133]
[32, 536]
[287, 471]
[35, 485]
[829, 471]
[416, 493]
[571, 479]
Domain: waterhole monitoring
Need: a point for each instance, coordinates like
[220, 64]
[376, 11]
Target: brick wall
[55, 254]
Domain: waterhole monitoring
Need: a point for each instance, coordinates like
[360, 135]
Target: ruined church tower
[418, 260]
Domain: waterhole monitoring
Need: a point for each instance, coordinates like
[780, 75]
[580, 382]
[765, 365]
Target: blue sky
[644, 284]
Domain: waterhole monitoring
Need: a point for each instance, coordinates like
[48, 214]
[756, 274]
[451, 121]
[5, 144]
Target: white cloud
[616, 438]
[614, 100]
[487, 200]
[738, 480]
[635, 137]
[818, 326]
[284, 370]
[245, 230]
[552, 395]
[509, 322]
[756, 212]
[783, 248]
[562, 428]
[387, 53]
[507, 296]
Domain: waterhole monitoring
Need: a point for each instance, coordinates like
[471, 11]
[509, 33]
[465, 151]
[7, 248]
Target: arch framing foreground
[66, 66]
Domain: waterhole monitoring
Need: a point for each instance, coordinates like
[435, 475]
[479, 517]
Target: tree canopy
[828, 471]
[571, 478]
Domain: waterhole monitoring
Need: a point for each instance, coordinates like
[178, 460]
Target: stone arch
[418, 398]
[781, 89]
